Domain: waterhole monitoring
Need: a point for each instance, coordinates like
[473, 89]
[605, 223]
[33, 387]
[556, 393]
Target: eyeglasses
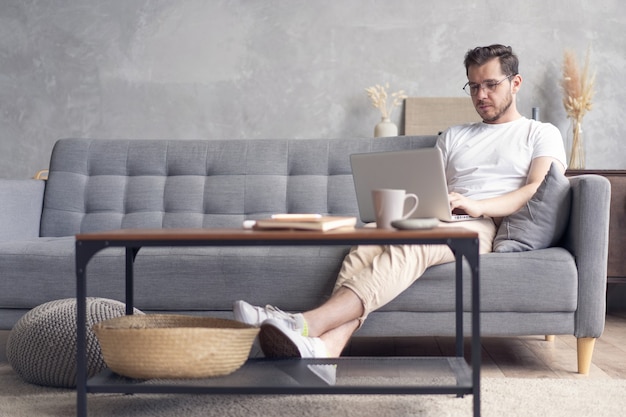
[472, 89]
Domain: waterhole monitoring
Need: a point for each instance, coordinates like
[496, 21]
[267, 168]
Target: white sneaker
[279, 340]
[255, 316]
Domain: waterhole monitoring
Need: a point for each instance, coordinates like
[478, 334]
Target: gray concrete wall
[291, 69]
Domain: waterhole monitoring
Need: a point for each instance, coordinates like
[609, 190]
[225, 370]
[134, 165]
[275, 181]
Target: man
[493, 168]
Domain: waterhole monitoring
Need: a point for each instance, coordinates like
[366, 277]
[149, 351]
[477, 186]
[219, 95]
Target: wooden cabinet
[616, 272]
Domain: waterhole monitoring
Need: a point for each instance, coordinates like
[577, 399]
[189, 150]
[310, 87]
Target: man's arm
[511, 202]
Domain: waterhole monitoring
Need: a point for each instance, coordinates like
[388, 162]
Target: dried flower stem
[378, 96]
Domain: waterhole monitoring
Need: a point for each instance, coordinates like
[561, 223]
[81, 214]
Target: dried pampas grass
[577, 86]
[578, 91]
[378, 96]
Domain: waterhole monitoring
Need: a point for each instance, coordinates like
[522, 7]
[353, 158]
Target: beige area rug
[501, 397]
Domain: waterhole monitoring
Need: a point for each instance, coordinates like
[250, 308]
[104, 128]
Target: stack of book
[306, 222]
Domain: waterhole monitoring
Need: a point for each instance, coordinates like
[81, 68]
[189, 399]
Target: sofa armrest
[21, 203]
[587, 238]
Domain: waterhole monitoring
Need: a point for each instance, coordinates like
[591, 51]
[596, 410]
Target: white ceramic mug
[389, 206]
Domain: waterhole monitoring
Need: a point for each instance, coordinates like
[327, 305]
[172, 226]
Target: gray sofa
[108, 184]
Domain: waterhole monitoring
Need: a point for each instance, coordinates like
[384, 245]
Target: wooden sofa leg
[550, 338]
[585, 352]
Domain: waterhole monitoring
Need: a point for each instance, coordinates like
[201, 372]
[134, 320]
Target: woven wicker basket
[173, 346]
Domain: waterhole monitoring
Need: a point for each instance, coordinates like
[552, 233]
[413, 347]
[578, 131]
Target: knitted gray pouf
[41, 347]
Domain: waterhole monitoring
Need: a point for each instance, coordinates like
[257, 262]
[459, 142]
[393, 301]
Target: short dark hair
[482, 54]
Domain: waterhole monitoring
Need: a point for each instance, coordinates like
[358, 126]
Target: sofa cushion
[20, 208]
[97, 185]
[531, 281]
[171, 278]
[540, 223]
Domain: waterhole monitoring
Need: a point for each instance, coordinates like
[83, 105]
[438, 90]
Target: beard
[493, 116]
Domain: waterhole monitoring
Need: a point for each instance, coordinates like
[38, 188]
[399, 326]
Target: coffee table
[398, 375]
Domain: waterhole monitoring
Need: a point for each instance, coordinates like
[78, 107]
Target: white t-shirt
[488, 160]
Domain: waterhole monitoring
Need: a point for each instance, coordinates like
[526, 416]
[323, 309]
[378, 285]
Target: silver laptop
[418, 171]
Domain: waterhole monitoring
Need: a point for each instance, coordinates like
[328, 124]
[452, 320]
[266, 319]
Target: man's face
[494, 99]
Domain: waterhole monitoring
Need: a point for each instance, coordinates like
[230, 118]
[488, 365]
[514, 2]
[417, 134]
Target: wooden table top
[356, 234]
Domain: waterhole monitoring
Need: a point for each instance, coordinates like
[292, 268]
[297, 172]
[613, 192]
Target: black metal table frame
[462, 247]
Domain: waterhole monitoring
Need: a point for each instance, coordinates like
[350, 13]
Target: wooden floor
[510, 357]
[518, 357]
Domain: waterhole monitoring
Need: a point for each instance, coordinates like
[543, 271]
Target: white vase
[385, 128]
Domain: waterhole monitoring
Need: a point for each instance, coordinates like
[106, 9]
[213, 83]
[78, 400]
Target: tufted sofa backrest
[96, 184]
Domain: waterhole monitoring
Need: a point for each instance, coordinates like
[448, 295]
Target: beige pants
[378, 274]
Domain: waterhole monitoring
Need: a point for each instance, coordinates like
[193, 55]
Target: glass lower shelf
[347, 375]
